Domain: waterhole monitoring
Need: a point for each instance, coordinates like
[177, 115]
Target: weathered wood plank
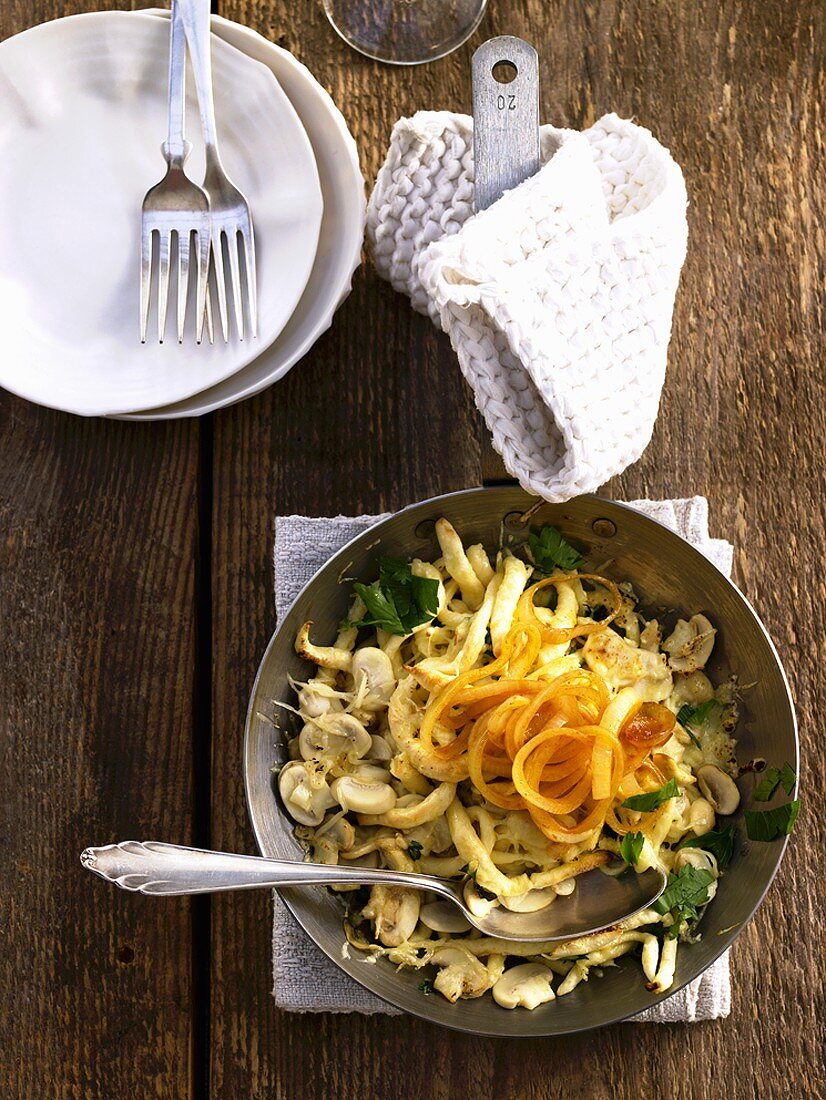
[96, 659]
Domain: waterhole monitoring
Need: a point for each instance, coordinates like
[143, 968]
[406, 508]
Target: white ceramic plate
[342, 226]
[82, 117]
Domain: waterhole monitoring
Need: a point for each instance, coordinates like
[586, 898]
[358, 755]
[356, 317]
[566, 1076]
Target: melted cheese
[622, 664]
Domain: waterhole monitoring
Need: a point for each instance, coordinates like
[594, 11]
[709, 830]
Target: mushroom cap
[304, 801]
[718, 788]
[372, 665]
[527, 985]
[363, 796]
[443, 917]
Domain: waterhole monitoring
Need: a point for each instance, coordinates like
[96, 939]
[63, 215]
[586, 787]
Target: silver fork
[175, 207]
[229, 208]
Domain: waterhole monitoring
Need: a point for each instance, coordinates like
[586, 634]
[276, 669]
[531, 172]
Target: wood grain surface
[137, 592]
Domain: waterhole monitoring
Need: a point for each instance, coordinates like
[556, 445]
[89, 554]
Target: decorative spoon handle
[152, 867]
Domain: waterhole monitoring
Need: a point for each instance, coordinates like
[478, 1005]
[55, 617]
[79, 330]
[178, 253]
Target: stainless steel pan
[666, 572]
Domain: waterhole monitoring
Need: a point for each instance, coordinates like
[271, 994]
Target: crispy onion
[550, 634]
[565, 750]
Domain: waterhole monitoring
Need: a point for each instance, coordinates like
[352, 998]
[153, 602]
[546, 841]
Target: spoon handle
[152, 867]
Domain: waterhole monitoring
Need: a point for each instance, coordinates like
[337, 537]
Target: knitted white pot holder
[557, 298]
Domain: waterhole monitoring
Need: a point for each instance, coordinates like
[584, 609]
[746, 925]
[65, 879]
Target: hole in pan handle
[505, 75]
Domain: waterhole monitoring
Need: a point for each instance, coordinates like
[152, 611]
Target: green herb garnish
[551, 551]
[774, 778]
[650, 801]
[685, 892]
[414, 849]
[695, 716]
[631, 846]
[467, 871]
[399, 601]
[719, 842]
[766, 825]
[426, 987]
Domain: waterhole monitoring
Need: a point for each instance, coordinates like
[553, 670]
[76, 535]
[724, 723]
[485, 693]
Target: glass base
[405, 32]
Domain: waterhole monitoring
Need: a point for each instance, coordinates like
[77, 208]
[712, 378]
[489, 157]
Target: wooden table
[137, 591]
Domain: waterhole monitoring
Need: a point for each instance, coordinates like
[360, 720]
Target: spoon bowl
[599, 901]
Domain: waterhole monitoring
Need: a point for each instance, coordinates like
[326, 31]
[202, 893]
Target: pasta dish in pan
[514, 723]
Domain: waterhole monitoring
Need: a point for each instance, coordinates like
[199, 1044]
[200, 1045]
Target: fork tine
[202, 296]
[233, 245]
[220, 284]
[252, 290]
[183, 280]
[146, 277]
[209, 326]
[164, 247]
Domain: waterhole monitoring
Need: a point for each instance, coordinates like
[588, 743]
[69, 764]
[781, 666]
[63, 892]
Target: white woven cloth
[557, 298]
[304, 979]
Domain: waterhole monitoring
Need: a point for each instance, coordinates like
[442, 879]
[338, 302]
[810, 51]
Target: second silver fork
[229, 209]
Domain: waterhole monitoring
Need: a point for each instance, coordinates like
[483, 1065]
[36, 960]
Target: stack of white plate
[82, 117]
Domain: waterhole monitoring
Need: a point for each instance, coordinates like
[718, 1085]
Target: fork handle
[196, 20]
[177, 147]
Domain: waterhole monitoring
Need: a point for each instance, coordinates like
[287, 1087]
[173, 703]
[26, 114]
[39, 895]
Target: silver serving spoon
[151, 867]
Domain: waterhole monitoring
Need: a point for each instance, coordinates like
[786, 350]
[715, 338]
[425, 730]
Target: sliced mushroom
[690, 644]
[334, 734]
[325, 850]
[527, 985]
[719, 788]
[394, 912]
[313, 703]
[363, 796]
[462, 974]
[532, 901]
[701, 816]
[304, 800]
[325, 656]
[380, 749]
[372, 773]
[373, 669]
[440, 916]
[342, 834]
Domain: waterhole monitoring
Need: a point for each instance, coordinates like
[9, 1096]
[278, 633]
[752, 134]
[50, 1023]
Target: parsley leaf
[773, 778]
[551, 551]
[684, 894]
[689, 716]
[631, 846]
[650, 801]
[414, 849]
[695, 716]
[426, 987]
[399, 601]
[719, 842]
[766, 825]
